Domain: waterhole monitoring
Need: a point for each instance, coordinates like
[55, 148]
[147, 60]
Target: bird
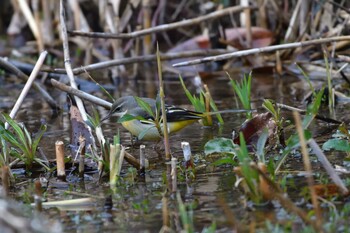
[141, 123]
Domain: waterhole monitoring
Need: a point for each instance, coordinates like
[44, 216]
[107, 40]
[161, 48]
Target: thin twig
[137, 59]
[328, 166]
[67, 62]
[27, 85]
[32, 24]
[164, 27]
[13, 69]
[261, 50]
[81, 94]
[302, 111]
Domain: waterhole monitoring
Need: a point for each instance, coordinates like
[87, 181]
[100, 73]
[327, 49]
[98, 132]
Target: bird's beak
[106, 117]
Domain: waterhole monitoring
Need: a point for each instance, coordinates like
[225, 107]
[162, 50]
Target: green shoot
[21, 143]
[307, 79]
[116, 157]
[251, 176]
[243, 91]
[199, 104]
[312, 109]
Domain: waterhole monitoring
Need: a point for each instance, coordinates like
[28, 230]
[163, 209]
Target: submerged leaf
[337, 144]
[220, 145]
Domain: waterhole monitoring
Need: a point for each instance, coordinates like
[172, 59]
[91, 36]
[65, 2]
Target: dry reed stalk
[186, 149]
[162, 104]
[13, 69]
[34, 26]
[164, 27]
[142, 158]
[291, 31]
[165, 214]
[136, 53]
[279, 67]
[174, 174]
[112, 20]
[308, 168]
[81, 94]
[147, 58]
[207, 96]
[147, 39]
[262, 50]
[38, 196]
[61, 171]
[248, 26]
[48, 36]
[27, 86]
[67, 61]
[114, 151]
[132, 160]
[262, 16]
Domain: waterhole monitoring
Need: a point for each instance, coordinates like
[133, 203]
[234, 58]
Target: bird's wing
[180, 114]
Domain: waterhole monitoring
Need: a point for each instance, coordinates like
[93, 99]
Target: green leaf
[38, 137]
[145, 106]
[188, 94]
[215, 108]
[226, 160]
[128, 117]
[268, 105]
[143, 133]
[261, 145]
[243, 151]
[337, 144]
[17, 129]
[220, 145]
[307, 79]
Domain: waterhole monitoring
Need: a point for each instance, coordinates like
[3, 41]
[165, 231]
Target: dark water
[137, 205]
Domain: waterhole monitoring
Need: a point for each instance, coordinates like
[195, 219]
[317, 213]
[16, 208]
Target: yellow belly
[150, 131]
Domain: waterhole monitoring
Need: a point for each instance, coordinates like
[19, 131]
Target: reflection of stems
[285, 201]
[308, 168]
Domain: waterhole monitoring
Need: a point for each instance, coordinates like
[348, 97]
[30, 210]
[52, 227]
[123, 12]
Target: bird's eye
[117, 109]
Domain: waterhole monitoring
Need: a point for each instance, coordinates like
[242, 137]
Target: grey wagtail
[177, 118]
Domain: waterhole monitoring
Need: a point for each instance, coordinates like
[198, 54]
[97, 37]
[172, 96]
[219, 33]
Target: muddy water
[137, 205]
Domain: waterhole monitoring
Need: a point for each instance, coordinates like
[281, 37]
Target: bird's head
[120, 107]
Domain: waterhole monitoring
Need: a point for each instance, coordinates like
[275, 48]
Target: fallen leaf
[252, 129]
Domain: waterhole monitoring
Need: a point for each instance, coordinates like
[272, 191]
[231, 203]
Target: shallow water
[137, 205]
